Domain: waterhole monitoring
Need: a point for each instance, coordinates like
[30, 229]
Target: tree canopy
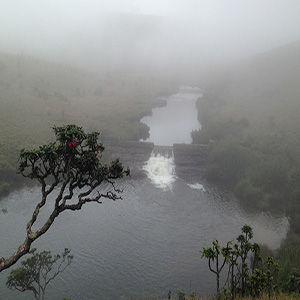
[37, 271]
[72, 165]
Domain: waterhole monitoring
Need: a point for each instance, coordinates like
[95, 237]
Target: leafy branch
[72, 165]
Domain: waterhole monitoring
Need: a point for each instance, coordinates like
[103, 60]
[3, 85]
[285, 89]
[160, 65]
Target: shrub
[248, 193]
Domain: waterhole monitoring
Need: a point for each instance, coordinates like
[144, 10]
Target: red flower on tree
[72, 144]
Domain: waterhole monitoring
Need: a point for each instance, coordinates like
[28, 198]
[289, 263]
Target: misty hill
[116, 40]
[127, 41]
[252, 114]
[262, 88]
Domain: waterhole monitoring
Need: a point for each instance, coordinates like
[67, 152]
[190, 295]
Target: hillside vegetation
[250, 117]
[36, 94]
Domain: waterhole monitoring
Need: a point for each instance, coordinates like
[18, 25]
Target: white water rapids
[161, 170]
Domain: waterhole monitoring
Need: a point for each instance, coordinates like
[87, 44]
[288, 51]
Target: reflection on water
[174, 123]
[146, 244]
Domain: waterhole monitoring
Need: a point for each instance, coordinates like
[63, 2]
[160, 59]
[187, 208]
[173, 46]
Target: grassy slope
[35, 95]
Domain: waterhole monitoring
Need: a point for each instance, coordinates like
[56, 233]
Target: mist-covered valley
[104, 67]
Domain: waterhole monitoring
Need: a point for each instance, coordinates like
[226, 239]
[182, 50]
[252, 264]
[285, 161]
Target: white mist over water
[160, 169]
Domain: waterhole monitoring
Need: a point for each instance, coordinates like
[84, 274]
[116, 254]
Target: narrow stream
[174, 122]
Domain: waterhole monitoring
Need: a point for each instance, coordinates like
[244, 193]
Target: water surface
[174, 122]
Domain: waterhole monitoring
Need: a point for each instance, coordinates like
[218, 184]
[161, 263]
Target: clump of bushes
[249, 273]
[262, 173]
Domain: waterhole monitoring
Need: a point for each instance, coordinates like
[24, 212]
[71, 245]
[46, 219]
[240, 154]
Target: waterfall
[160, 167]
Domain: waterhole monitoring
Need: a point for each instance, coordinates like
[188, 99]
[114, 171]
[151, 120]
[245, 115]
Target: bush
[288, 258]
[4, 188]
[216, 130]
[248, 193]
[229, 161]
[272, 175]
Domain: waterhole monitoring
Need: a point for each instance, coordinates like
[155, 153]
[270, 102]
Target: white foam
[197, 186]
[161, 170]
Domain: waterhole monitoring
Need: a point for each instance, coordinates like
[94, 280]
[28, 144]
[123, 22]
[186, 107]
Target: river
[174, 122]
[144, 245]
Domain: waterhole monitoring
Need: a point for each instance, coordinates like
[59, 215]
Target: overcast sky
[190, 31]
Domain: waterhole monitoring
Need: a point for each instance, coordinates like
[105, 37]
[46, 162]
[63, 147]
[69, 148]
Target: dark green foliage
[38, 271]
[272, 175]
[75, 154]
[181, 295]
[294, 281]
[243, 278]
[229, 162]
[215, 131]
[262, 171]
[262, 279]
[288, 257]
[8, 175]
[248, 193]
[143, 131]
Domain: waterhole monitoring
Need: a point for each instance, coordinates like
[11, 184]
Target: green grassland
[36, 94]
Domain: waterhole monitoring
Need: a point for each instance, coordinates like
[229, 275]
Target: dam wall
[186, 156]
[190, 155]
[190, 159]
[130, 152]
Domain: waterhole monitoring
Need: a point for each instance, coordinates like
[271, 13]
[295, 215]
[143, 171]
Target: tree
[71, 165]
[262, 279]
[245, 246]
[242, 280]
[37, 272]
[212, 254]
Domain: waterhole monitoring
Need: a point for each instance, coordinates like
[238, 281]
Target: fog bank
[165, 34]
